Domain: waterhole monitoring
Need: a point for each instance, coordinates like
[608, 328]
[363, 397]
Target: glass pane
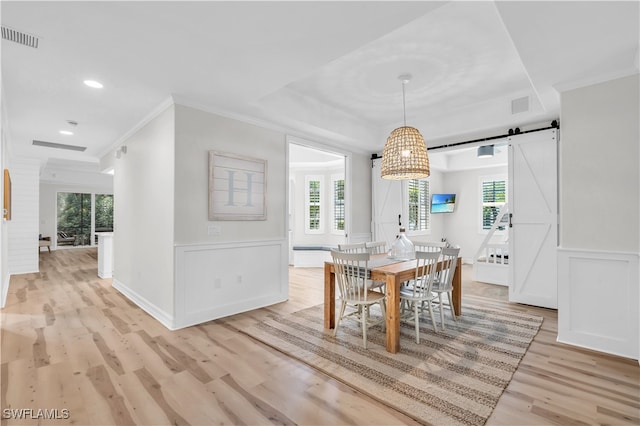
[338, 205]
[74, 218]
[104, 213]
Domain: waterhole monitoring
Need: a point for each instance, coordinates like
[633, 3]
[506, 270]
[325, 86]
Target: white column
[105, 254]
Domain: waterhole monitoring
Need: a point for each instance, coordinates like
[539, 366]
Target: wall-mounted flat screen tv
[443, 203]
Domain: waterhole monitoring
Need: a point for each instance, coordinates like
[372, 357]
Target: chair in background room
[377, 247]
[428, 245]
[352, 248]
[352, 272]
[444, 280]
[64, 238]
[419, 290]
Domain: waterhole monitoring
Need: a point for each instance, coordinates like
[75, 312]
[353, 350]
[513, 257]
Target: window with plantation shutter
[338, 205]
[313, 203]
[494, 196]
[418, 205]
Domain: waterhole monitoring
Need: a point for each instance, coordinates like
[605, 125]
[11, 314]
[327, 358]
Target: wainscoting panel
[598, 298]
[217, 280]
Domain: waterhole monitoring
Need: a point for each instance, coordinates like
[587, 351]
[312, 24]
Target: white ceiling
[325, 70]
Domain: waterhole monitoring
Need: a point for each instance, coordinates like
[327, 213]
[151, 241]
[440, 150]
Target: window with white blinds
[338, 205]
[313, 203]
[494, 196]
[418, 205]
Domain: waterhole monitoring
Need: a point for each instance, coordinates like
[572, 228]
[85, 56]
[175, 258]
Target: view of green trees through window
[104, 213]
[75, 216]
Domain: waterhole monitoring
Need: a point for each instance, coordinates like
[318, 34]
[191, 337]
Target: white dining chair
[443, 283]
[376, 247]
[422, 245]
[352, 275]
[361, 248]
[353, 248]
[419, 290]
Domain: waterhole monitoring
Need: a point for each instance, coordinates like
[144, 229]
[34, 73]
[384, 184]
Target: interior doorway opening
[318, 203]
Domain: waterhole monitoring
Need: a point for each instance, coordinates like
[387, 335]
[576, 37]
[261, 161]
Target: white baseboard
[598, 301]
[163, 317]
[5, 290]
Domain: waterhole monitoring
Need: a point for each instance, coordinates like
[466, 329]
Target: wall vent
[59, 145]
[19, 37]
[520, 105]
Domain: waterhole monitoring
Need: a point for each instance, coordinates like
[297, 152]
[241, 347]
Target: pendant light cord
[404, 107]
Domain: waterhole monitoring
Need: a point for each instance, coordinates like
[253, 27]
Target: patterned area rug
[453, 377]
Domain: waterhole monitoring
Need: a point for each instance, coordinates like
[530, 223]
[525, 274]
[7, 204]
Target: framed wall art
[7, 195]
[237, 187]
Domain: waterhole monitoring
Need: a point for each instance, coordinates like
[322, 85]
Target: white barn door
[387, 202]
[533, 232]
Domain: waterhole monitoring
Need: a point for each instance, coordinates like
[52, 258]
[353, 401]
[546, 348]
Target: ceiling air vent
[59, 145]
[19, 37]
[520, 105]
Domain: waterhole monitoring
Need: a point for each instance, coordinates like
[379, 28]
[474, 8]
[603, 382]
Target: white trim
[592, 81]
[5, 290]
[161, 316]
[204, 292]
[168, 102]
[598, 300]
[301, 136]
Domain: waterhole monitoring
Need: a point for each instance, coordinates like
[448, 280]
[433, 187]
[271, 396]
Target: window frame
[307, 204]
[482, 204]
[336, 178]
[427, 207]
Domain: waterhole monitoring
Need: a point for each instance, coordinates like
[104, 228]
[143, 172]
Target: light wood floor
[71, 342]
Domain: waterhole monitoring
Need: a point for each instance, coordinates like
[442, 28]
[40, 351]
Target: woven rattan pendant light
[405, 153]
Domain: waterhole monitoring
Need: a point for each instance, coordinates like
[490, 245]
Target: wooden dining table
[393, 273]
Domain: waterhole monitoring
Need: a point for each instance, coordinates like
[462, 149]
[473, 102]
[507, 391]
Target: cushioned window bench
[311, 256]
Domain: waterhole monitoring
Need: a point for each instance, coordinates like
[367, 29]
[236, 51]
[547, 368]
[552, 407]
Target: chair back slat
[376, 247]
[426, 271]
[449, 263]
[353, 248]
[429, 245]
[352, 273]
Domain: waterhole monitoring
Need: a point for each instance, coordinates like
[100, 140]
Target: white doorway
[318, 202]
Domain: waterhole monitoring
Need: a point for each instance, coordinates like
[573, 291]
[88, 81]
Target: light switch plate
[214, 230]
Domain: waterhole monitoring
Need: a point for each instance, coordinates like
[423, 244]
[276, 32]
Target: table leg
[393, 314]
[456, 293]
[329, 297]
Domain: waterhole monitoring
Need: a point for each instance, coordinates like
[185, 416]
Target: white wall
[197, 133]
[360, 196]
[4, 240]
[462, 227]
[48, 204]
[599, 217]
[144, 200]
[599, 167]
[244, 267]
[23, 226]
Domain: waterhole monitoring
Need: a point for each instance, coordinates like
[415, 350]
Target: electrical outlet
[217, 283]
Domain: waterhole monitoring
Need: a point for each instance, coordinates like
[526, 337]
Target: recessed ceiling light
[65, 132]
[94, 84]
